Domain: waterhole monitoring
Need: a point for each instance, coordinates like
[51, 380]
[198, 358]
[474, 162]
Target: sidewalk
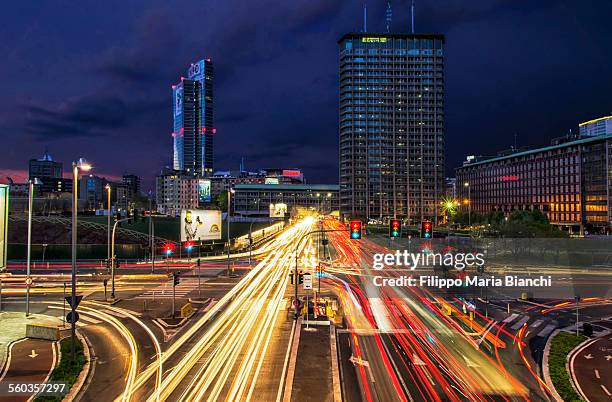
[313, 373]
[13, 327]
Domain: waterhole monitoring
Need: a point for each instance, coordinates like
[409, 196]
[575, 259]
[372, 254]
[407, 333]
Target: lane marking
[605, 390]
[597, 374]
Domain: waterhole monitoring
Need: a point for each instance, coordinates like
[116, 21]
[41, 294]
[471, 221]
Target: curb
[545, 370]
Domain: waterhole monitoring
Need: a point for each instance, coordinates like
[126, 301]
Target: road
[29, 361]
[590, 366]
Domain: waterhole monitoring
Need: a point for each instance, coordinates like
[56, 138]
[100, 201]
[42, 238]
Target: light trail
[228, 352]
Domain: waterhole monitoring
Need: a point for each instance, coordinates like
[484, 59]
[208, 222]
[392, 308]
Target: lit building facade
[175, 191]
[391, 125]
[570, 182]
[194, 120]
[253, 200]
[600, 126]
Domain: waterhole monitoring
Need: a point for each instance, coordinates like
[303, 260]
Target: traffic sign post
[307, 281]
[72, 318]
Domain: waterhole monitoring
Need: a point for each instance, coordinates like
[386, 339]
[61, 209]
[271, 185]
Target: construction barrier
[48, 332]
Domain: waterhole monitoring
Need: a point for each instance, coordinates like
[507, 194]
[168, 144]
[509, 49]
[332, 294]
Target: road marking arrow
[589, 356]
[33, 354]
[608, 358]
[417, 360]
[470, 363]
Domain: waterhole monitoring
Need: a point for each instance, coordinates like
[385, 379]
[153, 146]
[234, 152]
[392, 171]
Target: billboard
[203, 190]
[178, 100]
[200, 224]
[196, 71]
[278, 210]
[4, 198]
[271, 180]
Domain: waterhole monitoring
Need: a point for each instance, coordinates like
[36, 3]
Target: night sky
[93, 78]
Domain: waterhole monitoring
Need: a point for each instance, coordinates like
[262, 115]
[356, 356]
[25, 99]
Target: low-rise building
[175, 191]
[569, 181]
[255, 200]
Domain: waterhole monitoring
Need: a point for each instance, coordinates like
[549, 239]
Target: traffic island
[68, 371]
[561, 345]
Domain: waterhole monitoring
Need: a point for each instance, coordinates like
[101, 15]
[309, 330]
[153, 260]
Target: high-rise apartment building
[391, 125]
[193, 120]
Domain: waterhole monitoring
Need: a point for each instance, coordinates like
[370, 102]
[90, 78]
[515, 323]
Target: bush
[561, 346]
[67, 371]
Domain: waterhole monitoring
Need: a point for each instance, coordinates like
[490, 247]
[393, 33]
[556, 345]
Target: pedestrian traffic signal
[355, 230]
[426, 229]
[395, 228]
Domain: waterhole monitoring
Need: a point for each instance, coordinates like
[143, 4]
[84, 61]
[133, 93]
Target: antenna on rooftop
[389, 16]
[365, 17]
[412, 15]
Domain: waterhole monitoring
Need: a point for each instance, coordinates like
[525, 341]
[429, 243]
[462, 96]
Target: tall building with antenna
[391, 124]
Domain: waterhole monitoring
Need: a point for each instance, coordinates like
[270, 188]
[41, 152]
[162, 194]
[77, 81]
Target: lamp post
[108, 225]
[84, 166]
[469, 202]
[31, 183]
[229, 207]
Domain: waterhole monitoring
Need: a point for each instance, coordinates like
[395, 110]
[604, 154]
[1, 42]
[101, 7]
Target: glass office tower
[391, 125]
[193, 120]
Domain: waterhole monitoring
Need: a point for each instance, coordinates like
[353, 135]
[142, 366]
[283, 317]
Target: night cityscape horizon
[310, 201]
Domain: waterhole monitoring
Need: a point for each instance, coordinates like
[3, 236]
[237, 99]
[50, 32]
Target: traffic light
[168, 248]
[199, 262]
[189, 246]
[176, 278]
[300, 277]
[395, 228]
[426, 229]
[355, 230]
[130, 217]
[118, 217]
[136, 216]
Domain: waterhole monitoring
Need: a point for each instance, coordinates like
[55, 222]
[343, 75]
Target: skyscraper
[391, 125]
[193, 120]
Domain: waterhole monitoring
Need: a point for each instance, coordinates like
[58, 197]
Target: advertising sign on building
[199, 224]
[203, 190]
[196, 71]
[4, 194]
[178, 99]
[278, 210]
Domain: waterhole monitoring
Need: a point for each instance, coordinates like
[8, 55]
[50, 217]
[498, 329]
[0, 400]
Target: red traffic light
[355, 230]
[395, 228]
[168, 248]
[427, 229]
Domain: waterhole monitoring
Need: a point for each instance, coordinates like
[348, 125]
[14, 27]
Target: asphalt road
[30, 361]
[591, 366]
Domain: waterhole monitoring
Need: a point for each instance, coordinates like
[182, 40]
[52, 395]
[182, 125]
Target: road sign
[69, 317]
[28, 281]
[78, 299]
[307, 281]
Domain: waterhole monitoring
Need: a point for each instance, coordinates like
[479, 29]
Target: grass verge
[67, 371]
[561, 346]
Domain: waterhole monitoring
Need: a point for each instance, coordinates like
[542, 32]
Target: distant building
[223, 180]
[131, 182]
[92, 192]
[451, 188]
[254, 200]
[600, 126]
[569, 181]
[391, 125]
[50, 173]
[193, 120]
[175, 190]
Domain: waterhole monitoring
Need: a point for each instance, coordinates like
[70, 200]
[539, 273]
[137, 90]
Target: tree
[222, 201]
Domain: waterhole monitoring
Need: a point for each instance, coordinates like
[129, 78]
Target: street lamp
[84, 166]
[469, 202]
[108, 226]
[31, 183]
[229, 207]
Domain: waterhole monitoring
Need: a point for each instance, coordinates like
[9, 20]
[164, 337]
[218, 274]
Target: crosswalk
[186, 286]
[516, 321]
